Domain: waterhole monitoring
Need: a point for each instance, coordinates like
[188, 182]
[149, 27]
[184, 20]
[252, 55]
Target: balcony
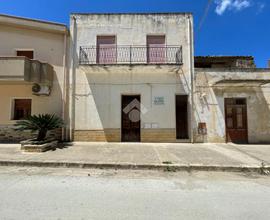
[109, 55]
[22, 69]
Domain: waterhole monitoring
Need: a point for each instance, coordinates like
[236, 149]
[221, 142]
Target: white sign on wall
[155, 125]
[159, 100]
[147, 125]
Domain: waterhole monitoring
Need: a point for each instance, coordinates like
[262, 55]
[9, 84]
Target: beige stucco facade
[49, 43]
[214, 85]
[97, 89]
[98, 99]
[88, 95]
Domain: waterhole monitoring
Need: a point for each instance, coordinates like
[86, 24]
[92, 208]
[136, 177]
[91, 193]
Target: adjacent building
[232, 100]
[33, 66]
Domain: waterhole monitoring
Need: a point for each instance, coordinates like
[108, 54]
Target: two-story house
[131, 77]
[33, 69]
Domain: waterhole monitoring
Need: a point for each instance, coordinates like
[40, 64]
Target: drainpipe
[65, 84]
[72, 77]
[191, 40]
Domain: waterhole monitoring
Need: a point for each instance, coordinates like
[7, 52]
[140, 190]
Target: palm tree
[41, 123]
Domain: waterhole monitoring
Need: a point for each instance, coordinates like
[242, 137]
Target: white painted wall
[98, 89]
[98, 95]
[209, 102]
[132, 29]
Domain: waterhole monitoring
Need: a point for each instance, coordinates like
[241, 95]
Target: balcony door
[106, 50]
[156, 51]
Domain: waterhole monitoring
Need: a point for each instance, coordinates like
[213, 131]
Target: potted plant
[40, 124]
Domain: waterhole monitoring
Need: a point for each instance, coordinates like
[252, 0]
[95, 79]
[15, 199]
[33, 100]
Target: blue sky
[222, 27]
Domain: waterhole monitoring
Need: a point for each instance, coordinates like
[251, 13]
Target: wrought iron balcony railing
[112, 54]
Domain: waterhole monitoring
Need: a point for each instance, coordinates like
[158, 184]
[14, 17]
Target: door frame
[97, 45]
[121, 122]
[188, 118]
[147, 45]
[225, 117]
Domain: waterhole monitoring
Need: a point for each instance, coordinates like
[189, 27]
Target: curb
[127, 166]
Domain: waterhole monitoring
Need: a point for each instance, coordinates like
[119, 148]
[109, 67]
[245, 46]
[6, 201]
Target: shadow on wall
[205, 104]
[71, 82]
[258, 113]
[57, 94]
[40, 105]
[259, 116]
[96, 99]
[103, 93]
[182, 80]
[210, 108]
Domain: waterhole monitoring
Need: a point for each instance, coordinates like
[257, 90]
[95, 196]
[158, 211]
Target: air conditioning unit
[41, 90]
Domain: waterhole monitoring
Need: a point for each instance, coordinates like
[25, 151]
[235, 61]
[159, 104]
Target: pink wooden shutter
[156, 51]
[106, 49]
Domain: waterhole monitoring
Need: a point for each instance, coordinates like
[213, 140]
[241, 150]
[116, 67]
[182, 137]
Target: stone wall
[114, 135]
[158, 135]
[9, 134]
[107, 135]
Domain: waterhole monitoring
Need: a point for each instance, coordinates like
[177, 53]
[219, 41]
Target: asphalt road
[38, 193]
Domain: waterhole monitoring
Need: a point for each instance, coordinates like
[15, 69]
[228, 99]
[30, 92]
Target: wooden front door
[236, 120]
[131, 118]
[181, 116]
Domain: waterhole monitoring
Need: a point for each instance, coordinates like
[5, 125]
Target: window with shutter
[106, 50]
[26, 53]
[22, 108]
[156, 50]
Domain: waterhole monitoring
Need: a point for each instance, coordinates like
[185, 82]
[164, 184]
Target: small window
[26, 53]
[22, 108]
[240, 101]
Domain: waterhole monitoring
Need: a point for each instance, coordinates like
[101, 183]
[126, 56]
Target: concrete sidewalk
[219, 157]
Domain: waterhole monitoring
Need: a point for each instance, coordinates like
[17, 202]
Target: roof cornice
[33, 24]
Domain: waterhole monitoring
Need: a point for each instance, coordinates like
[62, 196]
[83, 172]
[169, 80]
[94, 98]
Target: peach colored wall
[48, 47]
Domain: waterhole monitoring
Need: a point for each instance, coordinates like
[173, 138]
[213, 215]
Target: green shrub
[40, 123]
